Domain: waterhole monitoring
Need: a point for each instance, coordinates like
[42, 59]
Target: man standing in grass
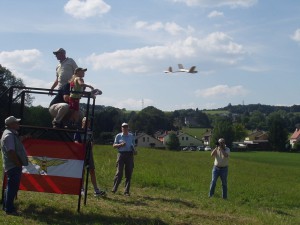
[220, 169]
[14, 157]
[124, 142]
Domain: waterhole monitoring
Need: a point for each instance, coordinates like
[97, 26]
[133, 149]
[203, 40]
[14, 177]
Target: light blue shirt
[128, 139]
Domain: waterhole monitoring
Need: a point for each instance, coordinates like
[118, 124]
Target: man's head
[125, 128]
[12, 123]
[221, 141]
[60, 54]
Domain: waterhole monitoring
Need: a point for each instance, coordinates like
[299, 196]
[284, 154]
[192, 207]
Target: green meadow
[172, 188]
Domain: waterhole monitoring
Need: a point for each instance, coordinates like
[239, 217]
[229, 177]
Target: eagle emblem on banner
[42, 163]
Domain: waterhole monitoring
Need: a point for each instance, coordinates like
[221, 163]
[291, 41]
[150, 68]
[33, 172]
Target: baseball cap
[11, 119]
[59, 50]
[124, 124]
[221, 140]
[79, 69]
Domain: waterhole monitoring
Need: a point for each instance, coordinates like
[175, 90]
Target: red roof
[296, 134]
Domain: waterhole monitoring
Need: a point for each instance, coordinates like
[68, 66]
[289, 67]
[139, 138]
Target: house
[295, 137]
[184, 140]
[207, 137]
[257, 140]
[257, 135]
[145, 140]
[188, 140]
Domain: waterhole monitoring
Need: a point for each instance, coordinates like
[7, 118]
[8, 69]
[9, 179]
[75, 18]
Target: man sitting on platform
[59, 107]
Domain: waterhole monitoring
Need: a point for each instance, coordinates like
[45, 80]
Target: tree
[173, 142]
[222, 128]
[278, 134]
[7, 79]
[239, 131]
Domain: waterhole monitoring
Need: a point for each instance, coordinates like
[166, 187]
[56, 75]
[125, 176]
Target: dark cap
[79, 69]
[59, 50]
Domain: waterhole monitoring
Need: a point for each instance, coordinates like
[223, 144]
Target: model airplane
[169, 70]
[191, 70]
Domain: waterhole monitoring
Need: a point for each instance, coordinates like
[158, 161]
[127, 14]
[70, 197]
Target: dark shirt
[59, 98]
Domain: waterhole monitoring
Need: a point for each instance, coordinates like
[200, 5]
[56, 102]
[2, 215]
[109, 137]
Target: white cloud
[214, 3]
[23, 60]
[221, 90]
[16, 59]
[296, 35]
[170, 27]
[86, 8]
[216, 47]
[214, 14]
[129, 103]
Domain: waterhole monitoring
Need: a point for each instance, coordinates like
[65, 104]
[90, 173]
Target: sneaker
[82, 192]
[126, 194]
[98, 192]
[13, 213]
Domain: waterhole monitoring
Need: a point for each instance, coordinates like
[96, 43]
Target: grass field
[172, 188]
[195, 132]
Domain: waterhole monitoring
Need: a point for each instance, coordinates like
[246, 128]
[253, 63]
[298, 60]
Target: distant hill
[266, 109]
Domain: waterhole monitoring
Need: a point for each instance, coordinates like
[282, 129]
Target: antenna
[142, 103]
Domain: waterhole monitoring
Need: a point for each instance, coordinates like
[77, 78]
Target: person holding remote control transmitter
[124, 142]
[220, 169]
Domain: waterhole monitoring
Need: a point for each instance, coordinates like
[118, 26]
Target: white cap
[11, 119]
[124, 124]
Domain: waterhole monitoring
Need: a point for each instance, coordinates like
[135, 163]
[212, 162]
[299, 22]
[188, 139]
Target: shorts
[74, 103]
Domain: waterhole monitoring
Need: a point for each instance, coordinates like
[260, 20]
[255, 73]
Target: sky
[245, 51]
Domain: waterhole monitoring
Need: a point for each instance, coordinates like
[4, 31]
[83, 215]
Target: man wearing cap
[14, 157]
[64, 69]
[220, 169]
[124, 142]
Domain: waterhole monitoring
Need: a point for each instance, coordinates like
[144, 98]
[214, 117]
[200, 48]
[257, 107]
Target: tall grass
[172, 188]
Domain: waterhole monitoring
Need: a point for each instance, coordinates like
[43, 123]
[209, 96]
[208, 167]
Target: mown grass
[172, 188]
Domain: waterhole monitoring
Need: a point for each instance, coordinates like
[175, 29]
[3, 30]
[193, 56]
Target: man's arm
[224, 153]
[54, 84]
[116, 144]
[214, 152]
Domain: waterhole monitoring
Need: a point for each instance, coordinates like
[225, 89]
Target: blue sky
[245, 50]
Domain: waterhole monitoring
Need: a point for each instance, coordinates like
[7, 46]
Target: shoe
[13, 213]
[126, 194]
[98, 192]
[82, 192]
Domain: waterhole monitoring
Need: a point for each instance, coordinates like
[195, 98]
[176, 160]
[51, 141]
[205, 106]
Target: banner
[54, 167]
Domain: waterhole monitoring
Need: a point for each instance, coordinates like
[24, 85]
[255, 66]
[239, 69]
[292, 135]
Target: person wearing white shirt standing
[64, 70]
[220, 168]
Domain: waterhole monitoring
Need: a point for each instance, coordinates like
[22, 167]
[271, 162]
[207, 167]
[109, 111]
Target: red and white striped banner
[54, 166]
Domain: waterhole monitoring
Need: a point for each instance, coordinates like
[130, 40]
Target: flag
[54, 166]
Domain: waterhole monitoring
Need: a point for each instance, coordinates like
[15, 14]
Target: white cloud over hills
[216, 47]
[170, 27]
[221, 90]
[217, 3]
[296, 35]
[88, 8]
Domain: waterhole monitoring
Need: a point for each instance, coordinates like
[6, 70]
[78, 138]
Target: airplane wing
[192, 70]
